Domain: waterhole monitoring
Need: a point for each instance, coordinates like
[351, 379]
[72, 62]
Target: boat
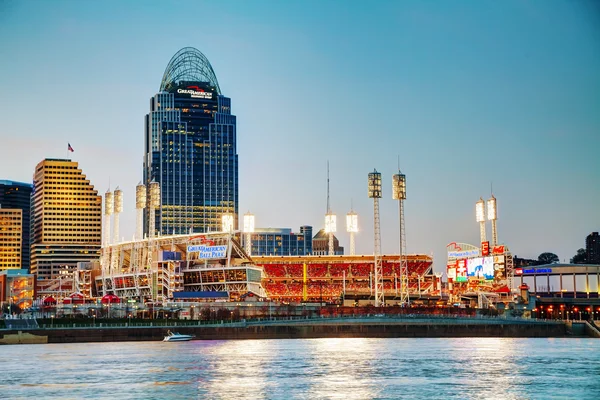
[177, 337]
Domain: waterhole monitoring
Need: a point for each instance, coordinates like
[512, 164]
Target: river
[457, 368]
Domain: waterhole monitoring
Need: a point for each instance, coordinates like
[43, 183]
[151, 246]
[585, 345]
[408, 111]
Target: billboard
[208, 252]
[481, 267]
[461, 270]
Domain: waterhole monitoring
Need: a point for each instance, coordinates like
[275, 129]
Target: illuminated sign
[485, 248]
[481, 267]
[461, 270]
[498, 250]
[195, 92]
[208, 252]
[463, 254]
[533, 271]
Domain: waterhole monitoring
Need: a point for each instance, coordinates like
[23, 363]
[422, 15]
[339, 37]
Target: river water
[467, 368]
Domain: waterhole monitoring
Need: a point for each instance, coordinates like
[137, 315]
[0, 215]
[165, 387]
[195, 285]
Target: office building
[17, 195]
[11, 231]
[66, 219]
[592, 248]
[190, 148]
[281, 242]
[320, 244]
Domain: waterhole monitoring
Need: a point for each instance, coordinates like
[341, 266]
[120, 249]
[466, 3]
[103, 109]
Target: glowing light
[248, 223]
[118, 201]
[492, 213]
[351, 222]
[480, 210]
[330, 223]
[108, 203]
[227, 223]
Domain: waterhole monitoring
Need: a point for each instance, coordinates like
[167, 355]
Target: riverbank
[365, 327]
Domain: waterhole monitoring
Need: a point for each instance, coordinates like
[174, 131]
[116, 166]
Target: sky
[464, 96]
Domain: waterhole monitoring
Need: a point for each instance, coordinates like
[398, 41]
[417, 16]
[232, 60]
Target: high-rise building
[11, 231]
[190, 148]
[320, 244]
[66, 218]
[17, 195]
[281, 242]
[592, 248]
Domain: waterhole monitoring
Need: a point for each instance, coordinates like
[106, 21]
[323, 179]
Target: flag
[69, 148]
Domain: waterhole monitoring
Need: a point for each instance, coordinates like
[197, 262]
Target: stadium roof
[189, 65]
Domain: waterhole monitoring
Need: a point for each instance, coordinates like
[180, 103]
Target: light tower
[154, 204]
[375, 194]
[399, 193]
[227, 223]
[492, 215]
[480, 216]
[108, 210]
[352, 228]
[140, 204]
[248, 230]
[330, 219]
[118, 196]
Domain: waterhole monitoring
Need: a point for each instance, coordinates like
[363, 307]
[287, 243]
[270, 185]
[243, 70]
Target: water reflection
[467, 368]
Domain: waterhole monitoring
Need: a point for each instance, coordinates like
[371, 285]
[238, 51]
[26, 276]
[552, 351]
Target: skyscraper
[592, 248]
[11, 230]
[190, 148]
[17, 195]
[66, 218]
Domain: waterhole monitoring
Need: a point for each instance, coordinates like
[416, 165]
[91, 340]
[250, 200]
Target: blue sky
[466, 94]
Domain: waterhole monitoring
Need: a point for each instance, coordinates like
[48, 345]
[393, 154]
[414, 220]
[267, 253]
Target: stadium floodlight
[399, 187]
[248, 222]
[352, 222]
[491, 209]
[248, 230]
[480, 210]
[374, 186]
[352, 228]
[492, 214]
[118, 199]
[330, 223]
[140, 205]
[227, 223]
[480, 216]
[153, 205]
[399, 193]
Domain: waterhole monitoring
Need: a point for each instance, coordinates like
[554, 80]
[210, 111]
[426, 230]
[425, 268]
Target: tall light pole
[352, 228]
[480, 216]
[108, 210]
[399, 193]
[330, 219]
[492, 215]
[248, 230]
[375, 194]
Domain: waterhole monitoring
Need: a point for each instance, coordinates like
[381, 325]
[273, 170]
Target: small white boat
[177, 337]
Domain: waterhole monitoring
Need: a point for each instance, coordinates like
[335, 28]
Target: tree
[580, 257]
[547, 258]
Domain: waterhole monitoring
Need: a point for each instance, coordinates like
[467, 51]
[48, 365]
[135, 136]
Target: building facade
[17, 288]
[17, 195]
[11, 232]
[592, 248]
[320, 244]
[190, 148]
[66, 219]
[281, 242]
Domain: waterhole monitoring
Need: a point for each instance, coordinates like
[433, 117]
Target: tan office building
[11, 236]
[66, 219]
